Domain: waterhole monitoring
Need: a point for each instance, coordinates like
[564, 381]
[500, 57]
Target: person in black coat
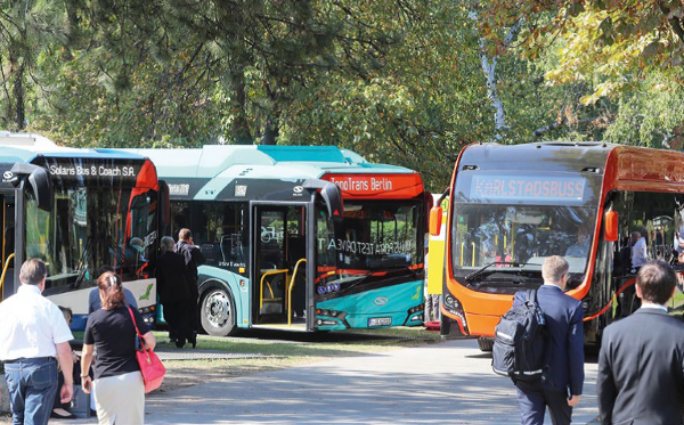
[641, 363]
[174, 293]
[193, 258]
[561, 385]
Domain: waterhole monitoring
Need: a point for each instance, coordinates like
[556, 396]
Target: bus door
[280, 265]
[7, 245]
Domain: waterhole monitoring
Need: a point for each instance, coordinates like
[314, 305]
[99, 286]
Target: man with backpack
[559, 385]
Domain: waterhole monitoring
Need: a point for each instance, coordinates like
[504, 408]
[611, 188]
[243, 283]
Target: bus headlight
[452, 307]
[330, 313]
[450, 301]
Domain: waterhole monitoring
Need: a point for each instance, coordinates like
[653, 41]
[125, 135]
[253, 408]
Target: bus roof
[240, 172]
[623, 167]
[551, 156]
[25, 147]
[258, 162]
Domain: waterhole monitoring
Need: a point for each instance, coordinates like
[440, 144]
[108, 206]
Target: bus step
[282, 327]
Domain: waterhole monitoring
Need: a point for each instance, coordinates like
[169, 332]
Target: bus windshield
[372, 236]
[516, 220]
[90, 227]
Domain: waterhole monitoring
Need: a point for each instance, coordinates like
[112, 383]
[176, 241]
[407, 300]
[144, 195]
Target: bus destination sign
[386, 186]
[526, 188]
[93, 172]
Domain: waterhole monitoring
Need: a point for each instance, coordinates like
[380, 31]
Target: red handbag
[151, 367]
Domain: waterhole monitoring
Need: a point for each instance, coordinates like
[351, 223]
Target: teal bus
[78, 210]
[301, 238]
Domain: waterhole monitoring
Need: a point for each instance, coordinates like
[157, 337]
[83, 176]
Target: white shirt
[653, 306]
[639, 254]
[679, 239]
[31, 325]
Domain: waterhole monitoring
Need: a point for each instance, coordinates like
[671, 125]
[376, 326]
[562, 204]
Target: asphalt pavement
[448, 383]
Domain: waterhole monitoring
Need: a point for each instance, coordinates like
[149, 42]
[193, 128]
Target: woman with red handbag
[120, 386]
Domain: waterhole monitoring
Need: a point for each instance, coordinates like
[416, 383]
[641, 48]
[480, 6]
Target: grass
[311, 345]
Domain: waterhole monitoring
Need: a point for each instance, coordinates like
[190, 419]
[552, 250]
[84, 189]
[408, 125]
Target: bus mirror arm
[331, 194]
[39, 180]
[436, 213]
[165, 204]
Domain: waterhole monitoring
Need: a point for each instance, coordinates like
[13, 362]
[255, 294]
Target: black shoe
[193, 340]
[55, 415]
[180, 343]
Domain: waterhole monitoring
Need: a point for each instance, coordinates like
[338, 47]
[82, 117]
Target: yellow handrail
[4, 272]
[289, 291]
[268, 273]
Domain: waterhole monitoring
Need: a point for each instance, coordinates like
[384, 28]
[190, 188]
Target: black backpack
[519, 343]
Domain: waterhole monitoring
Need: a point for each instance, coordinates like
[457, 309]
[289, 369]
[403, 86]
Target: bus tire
[485, 344]
[217, 312]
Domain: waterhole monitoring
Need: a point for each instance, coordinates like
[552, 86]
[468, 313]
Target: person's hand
[67, 392]
[573, 400]
[86, 384]
[74, 357]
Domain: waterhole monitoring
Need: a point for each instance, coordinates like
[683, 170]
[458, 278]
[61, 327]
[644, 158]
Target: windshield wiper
[480, 271]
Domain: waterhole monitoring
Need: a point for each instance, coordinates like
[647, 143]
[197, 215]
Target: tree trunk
[17, 69]
[489, 69]
[240, 124]
[271, 129]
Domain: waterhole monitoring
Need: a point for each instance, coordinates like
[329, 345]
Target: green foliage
[650, 118]
[400, 82]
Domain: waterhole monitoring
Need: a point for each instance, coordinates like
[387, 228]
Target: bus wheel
[485, 344]
[217, 312]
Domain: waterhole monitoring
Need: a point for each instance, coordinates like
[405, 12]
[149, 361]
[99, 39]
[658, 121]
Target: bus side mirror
[611, 226]
[39, 180]
[429, 203]
[435, 220]
[331, 194]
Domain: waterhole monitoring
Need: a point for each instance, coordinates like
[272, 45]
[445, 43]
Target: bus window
[217, 227]
[655, 216]
[90, 227]
[521, 234]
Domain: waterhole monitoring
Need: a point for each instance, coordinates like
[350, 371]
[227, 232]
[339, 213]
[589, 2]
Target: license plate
[380, 321]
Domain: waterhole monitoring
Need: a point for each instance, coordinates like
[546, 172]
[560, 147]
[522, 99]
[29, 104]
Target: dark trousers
[533, 400]
[32, 384]
[179, 316]
[60, 381]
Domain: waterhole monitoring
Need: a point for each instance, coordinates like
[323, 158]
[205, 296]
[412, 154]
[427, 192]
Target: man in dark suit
[641, 363]
[174, 292]
[193, 258]
[561, 384]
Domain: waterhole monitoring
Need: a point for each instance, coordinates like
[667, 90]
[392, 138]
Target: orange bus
[512, 206]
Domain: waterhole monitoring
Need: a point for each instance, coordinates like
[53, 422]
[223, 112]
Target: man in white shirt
[679, 243]
[581, 248]
[639, 251]
[33, 332]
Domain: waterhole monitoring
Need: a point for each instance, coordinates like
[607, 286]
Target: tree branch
[674, 21]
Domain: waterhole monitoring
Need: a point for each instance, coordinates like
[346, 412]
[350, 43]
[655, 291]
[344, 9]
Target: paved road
[445, 383]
